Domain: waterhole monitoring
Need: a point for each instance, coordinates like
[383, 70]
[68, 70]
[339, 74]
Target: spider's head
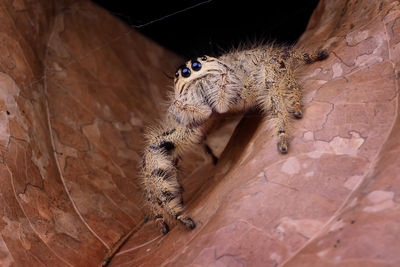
[195, 85]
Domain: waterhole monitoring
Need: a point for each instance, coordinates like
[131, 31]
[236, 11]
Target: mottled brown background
[77, 88]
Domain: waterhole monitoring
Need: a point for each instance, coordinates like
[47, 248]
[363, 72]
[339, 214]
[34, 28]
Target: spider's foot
[322, 54]
[298, 114]
[282, 147]
[187, 221]
[282, 143]
[162, 225]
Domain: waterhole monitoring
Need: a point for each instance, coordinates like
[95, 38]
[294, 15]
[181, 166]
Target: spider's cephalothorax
[262, 77]
[202, 86]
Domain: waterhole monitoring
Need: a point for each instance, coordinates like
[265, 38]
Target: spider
[262, 77]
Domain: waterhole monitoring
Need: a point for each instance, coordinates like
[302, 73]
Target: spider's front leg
[163, 191]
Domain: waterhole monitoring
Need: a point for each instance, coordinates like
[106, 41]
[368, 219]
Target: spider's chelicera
[262, 77]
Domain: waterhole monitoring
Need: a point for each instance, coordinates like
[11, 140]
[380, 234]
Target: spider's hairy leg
[294, 96]
[295, 92]
[284, 102]
[309, 58]
[281, 100]
[279, 116]
[163, 191]
[156, 209]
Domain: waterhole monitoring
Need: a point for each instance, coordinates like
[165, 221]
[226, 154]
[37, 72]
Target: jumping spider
[262, 77]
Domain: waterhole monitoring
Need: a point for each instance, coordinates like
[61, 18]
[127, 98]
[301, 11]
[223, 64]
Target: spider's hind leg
[280, 122]
[278, 115]
[294, 97]
[281, 103]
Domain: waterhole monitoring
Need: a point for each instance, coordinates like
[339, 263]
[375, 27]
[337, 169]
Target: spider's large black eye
[196, 65]
[177, 74]
[185, 72]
